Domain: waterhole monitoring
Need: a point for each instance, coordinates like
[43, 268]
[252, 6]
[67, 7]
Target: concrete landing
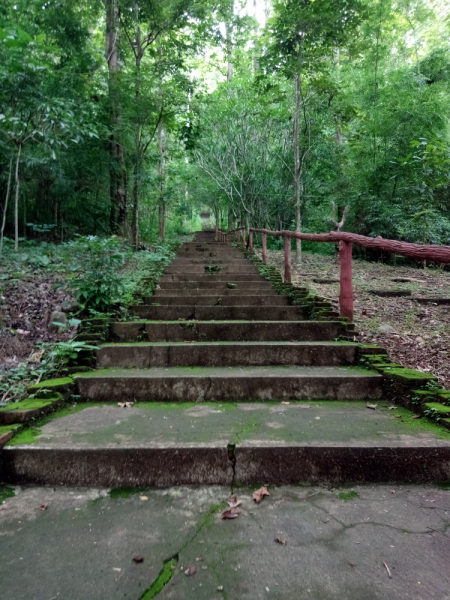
[338, 542]
[172, 444]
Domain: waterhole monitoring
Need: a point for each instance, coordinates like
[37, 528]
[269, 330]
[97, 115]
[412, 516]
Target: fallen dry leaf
[117, 569]
[285, 403]
[43, 506]
[191, 570]
[36, 356]
[416, 416]
[22, 332]
[258, 495]
[232, 513]
[138, 559]
[372, 406]
[220, 588]
[281, 541]
[233, 502]
[143, 497]
[392, 407]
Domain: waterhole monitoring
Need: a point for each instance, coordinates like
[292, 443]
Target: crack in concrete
[169, 565]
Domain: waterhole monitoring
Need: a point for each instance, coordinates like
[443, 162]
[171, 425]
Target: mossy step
[29, 409]
[47, 388]
[7, 432]
[439, 409]
[409, 377]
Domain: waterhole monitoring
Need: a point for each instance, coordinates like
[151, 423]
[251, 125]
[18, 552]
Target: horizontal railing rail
[420, 252]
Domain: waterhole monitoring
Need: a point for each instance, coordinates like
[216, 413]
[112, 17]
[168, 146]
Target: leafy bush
[64, 352]
[98, 283]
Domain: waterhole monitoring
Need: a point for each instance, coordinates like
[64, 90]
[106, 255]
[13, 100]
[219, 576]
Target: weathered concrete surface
[256, 299]
[166, 444]
[212, 284]
[82, 546]
[180, 277]
[220, 313]
[210, 331]
[209, 384]
[176, 291]
[192, 268]
[226, 354]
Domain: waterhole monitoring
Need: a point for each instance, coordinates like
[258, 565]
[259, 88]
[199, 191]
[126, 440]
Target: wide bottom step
[163, 445]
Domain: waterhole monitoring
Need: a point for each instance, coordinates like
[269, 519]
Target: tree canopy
[130, 117]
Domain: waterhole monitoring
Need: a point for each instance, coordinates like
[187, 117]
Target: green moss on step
[348, 495]
[6, 492]
[28, 435]
[439, 408]
[15, 428]
[410, 376]
[49, 384]
[163, 579]
[126, 491]
[30, 404]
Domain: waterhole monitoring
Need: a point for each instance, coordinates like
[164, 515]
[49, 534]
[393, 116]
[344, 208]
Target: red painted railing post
[346, 292]
[287, 259]
[250, 240]
[264, 248]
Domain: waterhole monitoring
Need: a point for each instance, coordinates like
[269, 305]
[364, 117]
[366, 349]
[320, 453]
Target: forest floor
[420, 335]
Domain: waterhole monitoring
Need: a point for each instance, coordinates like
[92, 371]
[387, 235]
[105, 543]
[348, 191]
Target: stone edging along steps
[259, 380]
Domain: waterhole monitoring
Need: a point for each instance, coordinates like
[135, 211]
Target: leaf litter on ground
[258, 495]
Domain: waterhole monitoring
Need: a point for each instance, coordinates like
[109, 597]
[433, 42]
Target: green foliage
[98, 283]
[64, 353]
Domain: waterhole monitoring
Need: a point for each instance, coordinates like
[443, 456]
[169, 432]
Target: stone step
[144, 355]
[184, 261]
[228, 384]
[217, 277]
[237, 292]
[232, 268]
[220, 313]
[212, 284]
[167, 445]
[211, 300]
[229, 331]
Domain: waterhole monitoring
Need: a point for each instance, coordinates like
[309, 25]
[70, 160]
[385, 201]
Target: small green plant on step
[64, 353]
[432, 414]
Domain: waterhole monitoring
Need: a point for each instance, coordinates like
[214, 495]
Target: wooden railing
[417, 251]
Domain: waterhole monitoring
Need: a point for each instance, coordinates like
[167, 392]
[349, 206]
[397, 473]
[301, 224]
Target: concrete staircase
[231, 384]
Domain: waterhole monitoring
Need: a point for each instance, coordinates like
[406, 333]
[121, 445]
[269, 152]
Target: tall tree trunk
[229, 52]
[16, 205]
[117, 171]
[162, 206]
[297, 189]
[137, 138]
[8, 189]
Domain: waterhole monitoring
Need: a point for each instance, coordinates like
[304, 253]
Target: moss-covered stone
[410, 377]
[46, 389]
[439, 409]
[31, 404]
